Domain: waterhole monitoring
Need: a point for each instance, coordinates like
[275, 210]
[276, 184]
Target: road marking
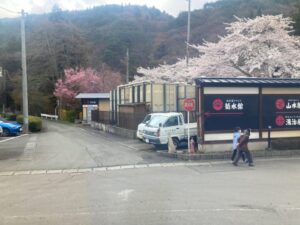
[113, 168]
[21, 173]
[124, 195]
[54, 171]
[12, 138]
[35, 172]
[125, 167]
[87, 170]
[40, 216]
[9, 173]
[70, 171]
[29, 149]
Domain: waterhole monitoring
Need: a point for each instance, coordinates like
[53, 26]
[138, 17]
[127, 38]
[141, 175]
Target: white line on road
[12, 138]
[124, 167]
[29, 149]
[140, 212]
[124, 195]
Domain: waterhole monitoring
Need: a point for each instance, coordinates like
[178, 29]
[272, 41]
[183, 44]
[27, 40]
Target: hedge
[68, 115]
[35, 123]
[10, 116]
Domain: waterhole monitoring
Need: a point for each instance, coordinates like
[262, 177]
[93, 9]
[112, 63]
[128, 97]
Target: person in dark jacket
[243, 148]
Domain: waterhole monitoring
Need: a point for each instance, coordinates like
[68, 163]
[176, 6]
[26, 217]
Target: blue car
[10, 128]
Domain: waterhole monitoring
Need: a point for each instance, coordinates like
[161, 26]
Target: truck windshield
[155, 121]
[147, 118]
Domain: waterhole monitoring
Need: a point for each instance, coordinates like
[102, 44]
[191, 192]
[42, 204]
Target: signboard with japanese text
[89, 101]
[224, 112]
[281, 111]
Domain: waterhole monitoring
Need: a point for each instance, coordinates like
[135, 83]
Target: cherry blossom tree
[85, 81]
[259, 47]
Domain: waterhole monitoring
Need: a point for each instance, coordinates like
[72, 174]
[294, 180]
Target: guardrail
[43, 115]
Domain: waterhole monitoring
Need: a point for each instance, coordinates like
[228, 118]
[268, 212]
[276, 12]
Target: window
[173, 121]
[180, 120]
[156, 121]
[147, 118]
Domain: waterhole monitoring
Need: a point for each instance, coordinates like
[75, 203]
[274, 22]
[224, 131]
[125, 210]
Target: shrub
[68, 115]
[35, 123]
[19, 119]
[10, 116]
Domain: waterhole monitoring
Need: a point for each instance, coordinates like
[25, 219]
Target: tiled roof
[246, 82]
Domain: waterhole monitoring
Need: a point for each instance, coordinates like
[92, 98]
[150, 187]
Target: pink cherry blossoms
[85, 81]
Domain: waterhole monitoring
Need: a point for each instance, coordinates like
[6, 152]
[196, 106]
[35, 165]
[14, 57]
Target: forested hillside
[98, 36]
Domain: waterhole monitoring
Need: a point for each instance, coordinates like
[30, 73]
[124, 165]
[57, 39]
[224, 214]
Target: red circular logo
[189, 104]
[218, 104]
[280, 121]
[280, 104]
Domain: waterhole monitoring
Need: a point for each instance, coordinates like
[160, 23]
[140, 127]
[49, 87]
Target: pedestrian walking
[243, 148]
[236, 137]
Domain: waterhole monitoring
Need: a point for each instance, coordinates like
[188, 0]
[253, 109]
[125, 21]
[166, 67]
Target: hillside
[64, 39]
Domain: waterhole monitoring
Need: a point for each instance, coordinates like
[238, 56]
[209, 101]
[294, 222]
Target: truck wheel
[176, 142]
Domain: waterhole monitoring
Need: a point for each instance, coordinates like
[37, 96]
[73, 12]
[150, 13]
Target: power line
[8, 10]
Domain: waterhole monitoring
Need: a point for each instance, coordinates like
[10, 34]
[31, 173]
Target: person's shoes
[234, 163]
[251, 164]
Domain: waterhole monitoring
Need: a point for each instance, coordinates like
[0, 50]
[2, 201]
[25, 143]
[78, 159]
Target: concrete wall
[114, 130]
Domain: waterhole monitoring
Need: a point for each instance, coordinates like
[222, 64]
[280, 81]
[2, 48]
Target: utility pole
[24, 75]
[2, 88]
[188, 33]
[4, 91]
[127, 65]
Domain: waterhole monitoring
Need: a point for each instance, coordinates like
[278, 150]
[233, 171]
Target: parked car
[160, 127]
[140, 128]
[1, 131]
[10, 128]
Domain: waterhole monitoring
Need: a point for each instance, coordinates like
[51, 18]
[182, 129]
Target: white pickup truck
[160, 127]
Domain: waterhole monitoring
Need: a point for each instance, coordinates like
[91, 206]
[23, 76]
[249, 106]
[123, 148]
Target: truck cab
[158, 130]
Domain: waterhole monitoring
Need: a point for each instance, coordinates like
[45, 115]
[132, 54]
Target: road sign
[189, 104]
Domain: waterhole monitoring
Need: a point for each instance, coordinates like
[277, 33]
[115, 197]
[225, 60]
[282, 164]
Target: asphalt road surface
[207, 194]
[63, 146]
[39, 185]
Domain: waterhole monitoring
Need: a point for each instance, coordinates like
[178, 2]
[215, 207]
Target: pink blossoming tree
[85, 81]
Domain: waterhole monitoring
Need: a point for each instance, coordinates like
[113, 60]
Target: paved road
[211, 194]
[63, 146]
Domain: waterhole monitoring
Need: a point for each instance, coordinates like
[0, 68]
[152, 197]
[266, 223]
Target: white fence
[43, 115]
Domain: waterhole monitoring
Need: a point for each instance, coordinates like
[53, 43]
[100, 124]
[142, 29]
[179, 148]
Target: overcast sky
[172, 7]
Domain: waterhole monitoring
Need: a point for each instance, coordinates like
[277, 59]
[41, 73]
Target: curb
[227, 155]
